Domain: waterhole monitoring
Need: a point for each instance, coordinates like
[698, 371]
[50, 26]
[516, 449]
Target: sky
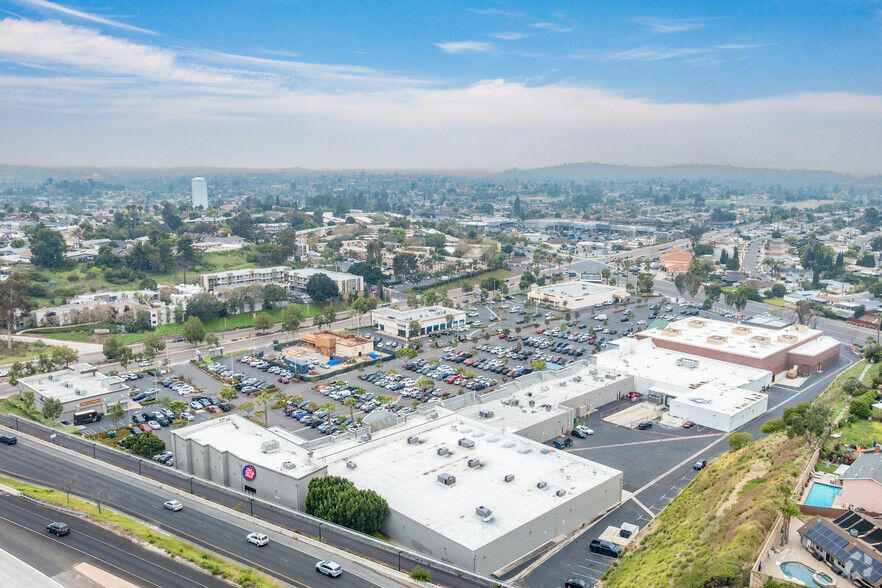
[441, 85]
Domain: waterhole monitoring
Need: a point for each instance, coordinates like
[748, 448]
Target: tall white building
[200, 193]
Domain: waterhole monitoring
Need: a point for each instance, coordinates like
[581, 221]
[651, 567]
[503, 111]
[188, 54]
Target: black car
[605, 548]
[58, 529]
[8, 440]
[178, 340]
[575, 583]
[700, 464]
[644, 425]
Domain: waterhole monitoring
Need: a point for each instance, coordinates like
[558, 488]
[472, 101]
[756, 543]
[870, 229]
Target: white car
[258, 539]
[154, 425]
[173, 505]
[329, 568]
[187, 416]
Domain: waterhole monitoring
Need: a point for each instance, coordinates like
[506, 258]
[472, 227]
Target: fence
[296, 521]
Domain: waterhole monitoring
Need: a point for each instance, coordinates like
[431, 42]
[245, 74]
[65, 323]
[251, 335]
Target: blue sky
[444, 84]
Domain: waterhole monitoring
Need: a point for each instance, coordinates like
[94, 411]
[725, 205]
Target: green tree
[273, 293]
[116, 413]
[145, 444]
[47, 247]
[807, 420]
[264, 400]
[14, 301]
[321, 288]
[860, 408]
[247, 407]
[264, 321]
[330, 315]
[537, 365]
[28, 399]
[292, 316]
[772, 426]
[337, 500]
[413, 329]
[52, 408]
[873, 352]
[419, 574]
[64, 355]
[155, 342]
[739, 440]
[350, 403]
[126, 357]
[229, 393]
[405, 352]
[194, 331]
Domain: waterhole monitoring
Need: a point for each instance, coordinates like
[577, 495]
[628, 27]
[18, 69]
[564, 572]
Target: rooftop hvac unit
[466, 442]
[365, 437]
[541, 485]
[485, 414]
[854, 532]
[532, 403]
[269, 446]
[447, 479]
[509, 477]
[413, 440]
[483, 512]
[560, 492]
[433, 416]
[288, 465]
[351, 465]
[442, 451]
[474, 463]
[687, 362]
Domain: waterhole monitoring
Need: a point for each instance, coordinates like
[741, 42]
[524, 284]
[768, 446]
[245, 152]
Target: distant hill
[585, 172]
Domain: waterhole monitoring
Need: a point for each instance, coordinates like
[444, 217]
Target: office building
[199, 193]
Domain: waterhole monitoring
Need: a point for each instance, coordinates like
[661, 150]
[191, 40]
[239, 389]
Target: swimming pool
[822, 495]
[806, 575]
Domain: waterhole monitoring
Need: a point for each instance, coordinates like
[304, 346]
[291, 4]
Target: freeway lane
[23, 528]
[210, 528]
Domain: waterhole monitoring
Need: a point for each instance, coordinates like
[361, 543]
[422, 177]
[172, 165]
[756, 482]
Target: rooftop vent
[433, 416]
[442, 451]
[524, 450]
[483, 512]
[687, 362]
[485, 414]
[413, 440]
[351, 465]
[560, 492]
[447, 479]
[853, 532]
[366, 437]
[474, 463]
[269, 446]
[466, 442]
[541, 485]
[288, 465]
[509, 477]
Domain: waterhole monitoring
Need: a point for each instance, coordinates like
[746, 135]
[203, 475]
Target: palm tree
[788, 510]
[329, 407]
[351, 402]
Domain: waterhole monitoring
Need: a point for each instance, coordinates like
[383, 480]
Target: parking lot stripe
[641, 505]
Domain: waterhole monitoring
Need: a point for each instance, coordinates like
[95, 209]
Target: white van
[601, 317]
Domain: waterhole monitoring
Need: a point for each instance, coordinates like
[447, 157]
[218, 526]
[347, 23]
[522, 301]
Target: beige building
[333, 343]
[396, 323]
[79, 387]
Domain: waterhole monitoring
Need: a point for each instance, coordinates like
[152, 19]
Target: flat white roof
[417, 314]
[78, 382]
[720, 399]
[696, 332]
[406, 475]
[311, 271]
[242, 438]
[643, 358]
[577, 289]
[816, 346]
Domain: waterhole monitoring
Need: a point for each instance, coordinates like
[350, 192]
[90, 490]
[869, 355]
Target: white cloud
[689, 55]
[456, 47]
[551, 26]
[53, 7]
[496, 12]
[510, 36]
[670, 25]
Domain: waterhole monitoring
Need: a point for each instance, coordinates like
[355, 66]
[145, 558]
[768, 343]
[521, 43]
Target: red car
[214, 408]
[145, 427]
[284, 381]
[540, 331]
[634, 395]
[688, 425]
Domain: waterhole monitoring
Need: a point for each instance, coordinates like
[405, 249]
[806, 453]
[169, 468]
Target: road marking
[641, 505]
[673, 438]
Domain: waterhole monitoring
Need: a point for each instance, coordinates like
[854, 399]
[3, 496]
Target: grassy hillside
[716, 527]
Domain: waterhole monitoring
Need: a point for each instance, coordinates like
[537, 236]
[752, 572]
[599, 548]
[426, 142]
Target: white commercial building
[576, 295]
[346, 283]
[290, 279]
[79, 387]
[199, 189]
[237, 453]
[396, 323]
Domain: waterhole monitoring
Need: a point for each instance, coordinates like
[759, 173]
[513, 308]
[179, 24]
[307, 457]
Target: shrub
[419, 574]
[739, 440]
[772, 426]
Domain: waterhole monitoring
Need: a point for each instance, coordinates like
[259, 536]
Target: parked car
[644, 425]
[605, 548]
[688, 425]
[575, 583]
[700, 464]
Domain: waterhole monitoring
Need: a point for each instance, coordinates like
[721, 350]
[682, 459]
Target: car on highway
[8, 439]
[329, 568]
[258, 539]
[700, 464]
[644, 425]
[58, 529]
[173, 505]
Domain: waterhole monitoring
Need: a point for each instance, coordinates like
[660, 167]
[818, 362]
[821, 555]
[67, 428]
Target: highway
[215, 529]
[23, 528]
